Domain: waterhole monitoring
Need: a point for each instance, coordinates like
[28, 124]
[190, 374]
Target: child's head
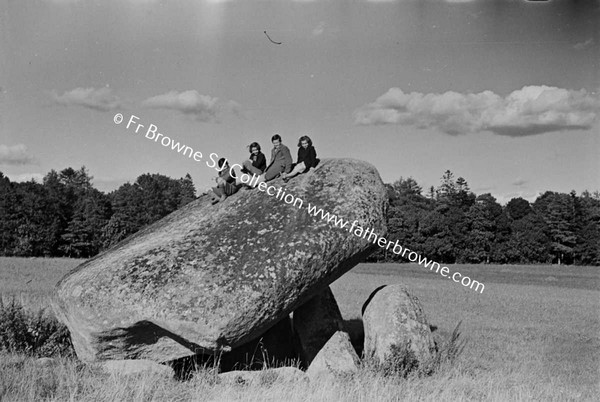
[304, 141]
[222, 162]
[254, 148]
[276, 140]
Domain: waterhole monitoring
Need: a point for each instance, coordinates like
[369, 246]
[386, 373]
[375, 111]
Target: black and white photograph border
[300, 200]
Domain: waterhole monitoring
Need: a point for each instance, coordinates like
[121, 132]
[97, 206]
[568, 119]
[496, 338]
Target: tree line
[65, 216]
[450, 224]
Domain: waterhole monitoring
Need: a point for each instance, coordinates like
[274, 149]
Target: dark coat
[229, 187]
[308, 156]
[259, 161]
[225, 174]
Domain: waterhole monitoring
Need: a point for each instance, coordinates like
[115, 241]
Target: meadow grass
[31, 280]
[533, 334]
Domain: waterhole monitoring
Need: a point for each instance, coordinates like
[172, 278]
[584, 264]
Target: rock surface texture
[394, 319]
[210, 278]
[315, 322]
[336, 359]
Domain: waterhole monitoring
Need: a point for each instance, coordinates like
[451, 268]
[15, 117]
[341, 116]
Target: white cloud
[584, 45]
[62, 1]
[23, 177]
[519, 182]
[527, 111]
[202, 107]
[319, 29]
[100, 99]
[15, 155]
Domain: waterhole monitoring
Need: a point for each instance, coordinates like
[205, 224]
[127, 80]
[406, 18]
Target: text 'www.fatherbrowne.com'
[397, 249]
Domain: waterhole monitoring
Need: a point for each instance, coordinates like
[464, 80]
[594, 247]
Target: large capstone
[208, 278]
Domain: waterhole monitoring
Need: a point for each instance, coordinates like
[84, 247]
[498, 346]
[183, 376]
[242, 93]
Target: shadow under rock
[355, 329]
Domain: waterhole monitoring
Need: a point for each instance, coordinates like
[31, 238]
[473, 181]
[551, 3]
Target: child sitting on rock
[225, 183]
[307, 158]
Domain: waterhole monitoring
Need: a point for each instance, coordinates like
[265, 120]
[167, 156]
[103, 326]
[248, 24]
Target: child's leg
[299, 168]
[251, 169]
[216, 194]
[259, 179]
[271, 173]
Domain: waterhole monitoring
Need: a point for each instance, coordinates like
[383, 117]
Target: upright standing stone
[274, 348]
[315, 322]
[394, 319]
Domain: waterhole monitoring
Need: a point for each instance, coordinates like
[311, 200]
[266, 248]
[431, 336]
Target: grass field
[30, 280]
[533, 334]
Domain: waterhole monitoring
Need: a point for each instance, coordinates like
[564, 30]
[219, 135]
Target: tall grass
[403, 362]
[529, 338]
[21, 379]
[33, 334]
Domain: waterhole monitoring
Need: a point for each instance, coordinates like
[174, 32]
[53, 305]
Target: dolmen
[211, 278]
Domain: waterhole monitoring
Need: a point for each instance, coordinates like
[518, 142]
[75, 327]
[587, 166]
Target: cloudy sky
[502, 93]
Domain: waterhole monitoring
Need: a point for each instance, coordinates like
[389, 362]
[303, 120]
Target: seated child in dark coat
[307, 158]
[225, 183]
[257, 162]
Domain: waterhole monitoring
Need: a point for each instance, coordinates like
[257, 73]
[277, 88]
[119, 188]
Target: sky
[504, 93]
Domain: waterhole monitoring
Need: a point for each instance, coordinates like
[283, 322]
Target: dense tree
[447, 189]
[188, 191]
[7, 215]
[407, 209]
[67, 216]
[558, 212]
[527, 243]
[128, 214]
[150, 198]
[431, 193]
[587, 227]
[31, 221]
[482, 221]
[451, 224]
[77, 180]
[444, 229]
[455, 193]
[463, 198]
[517, 208]
[83, 236]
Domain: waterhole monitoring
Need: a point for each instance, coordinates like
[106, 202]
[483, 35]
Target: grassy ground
[528, 336]
[30, 280]
[533, 334]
